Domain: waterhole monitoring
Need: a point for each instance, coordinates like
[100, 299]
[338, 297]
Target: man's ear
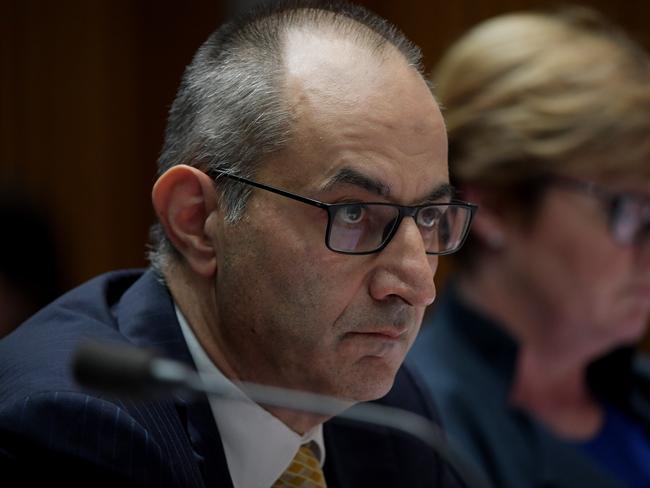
[183, 198]
[488, 225]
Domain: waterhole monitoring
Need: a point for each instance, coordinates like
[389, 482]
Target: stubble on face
[293, 313]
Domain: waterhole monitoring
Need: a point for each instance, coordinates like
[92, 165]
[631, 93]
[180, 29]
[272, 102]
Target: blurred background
[84, 91]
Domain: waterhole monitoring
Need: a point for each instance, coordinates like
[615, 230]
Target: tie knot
[304, 471]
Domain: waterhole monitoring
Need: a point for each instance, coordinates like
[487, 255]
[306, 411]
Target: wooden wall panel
[84, 92]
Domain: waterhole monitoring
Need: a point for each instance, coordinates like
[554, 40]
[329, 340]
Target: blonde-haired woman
[526, 351]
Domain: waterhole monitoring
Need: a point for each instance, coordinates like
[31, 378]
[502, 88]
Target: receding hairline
[322, 63]
[318, 27]
[351, 23]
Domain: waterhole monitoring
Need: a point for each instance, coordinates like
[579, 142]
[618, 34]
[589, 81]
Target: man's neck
[195, 298]
[197, 301]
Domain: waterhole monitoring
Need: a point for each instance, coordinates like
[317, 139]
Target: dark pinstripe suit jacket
[50, 427]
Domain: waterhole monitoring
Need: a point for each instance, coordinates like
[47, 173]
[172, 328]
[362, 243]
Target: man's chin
[375, 383]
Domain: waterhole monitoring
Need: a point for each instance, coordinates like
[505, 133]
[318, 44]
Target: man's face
[290, 311]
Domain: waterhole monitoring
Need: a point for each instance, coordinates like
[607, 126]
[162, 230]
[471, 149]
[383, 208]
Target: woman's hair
[529, 94]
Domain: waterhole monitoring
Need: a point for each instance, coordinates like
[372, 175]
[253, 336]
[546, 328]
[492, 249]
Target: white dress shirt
[258, 446]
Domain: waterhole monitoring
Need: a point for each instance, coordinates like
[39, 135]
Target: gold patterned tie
[304, 471]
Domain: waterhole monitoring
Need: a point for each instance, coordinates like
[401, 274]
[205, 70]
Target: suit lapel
[146, 316]
[359, 455]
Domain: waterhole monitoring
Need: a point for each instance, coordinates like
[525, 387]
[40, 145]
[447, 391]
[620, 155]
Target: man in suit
[269, 266]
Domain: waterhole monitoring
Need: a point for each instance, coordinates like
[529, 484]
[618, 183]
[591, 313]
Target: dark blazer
[51, 427]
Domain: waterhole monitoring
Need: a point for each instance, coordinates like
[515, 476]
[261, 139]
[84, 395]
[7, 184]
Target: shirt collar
[258, 446]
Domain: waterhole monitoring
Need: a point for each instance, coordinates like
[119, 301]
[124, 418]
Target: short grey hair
[230, 112]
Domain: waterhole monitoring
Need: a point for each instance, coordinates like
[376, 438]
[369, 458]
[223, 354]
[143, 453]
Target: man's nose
[404, 268]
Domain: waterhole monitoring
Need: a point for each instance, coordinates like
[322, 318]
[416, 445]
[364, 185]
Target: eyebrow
[349, 176]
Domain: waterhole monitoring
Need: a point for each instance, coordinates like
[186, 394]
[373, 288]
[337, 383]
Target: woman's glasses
[628, 213]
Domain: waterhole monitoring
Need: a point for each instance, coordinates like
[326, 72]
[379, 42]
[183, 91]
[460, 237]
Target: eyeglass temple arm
[316, 203]
[273, 189]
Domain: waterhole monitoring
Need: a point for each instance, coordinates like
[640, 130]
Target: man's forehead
[331, 69]
[361, 115]
[331, 64]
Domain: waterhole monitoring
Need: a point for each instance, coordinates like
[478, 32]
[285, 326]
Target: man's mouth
[388, 333]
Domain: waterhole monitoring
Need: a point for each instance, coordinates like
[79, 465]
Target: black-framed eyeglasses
[628, 214]
[368, 227]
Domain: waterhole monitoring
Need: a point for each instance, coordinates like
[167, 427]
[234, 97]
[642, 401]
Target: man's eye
[352, 214]
[429, 216]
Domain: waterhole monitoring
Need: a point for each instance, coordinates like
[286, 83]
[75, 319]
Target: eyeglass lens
[360, 228]
[630, 219]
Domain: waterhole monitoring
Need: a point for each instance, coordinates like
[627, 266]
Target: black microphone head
[115, 368]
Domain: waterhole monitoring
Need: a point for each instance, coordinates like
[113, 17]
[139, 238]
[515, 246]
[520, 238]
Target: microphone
[130, 371]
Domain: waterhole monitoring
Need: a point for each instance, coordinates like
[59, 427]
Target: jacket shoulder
[36, 357]
[76, 437]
